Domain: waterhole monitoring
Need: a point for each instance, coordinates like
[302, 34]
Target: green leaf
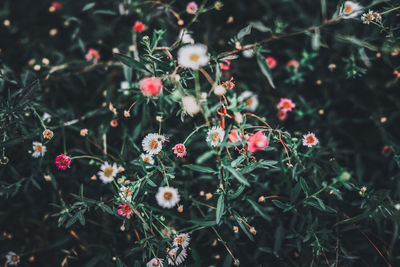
[105, 12]
[237, 175]
[204, 223]
[88, 6]
[220, 208]
[258, 209]
[199, 168]
[265, 69]
[304, 186]
[244, 32]
[278, 238]
[281, 205]
[130, 62]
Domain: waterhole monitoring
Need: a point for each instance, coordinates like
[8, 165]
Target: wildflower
[261, 199]
[151, 86]
[180, 208]
[107, 172]
[367, 17]
[387, 151]
[253, 231]
[55, 6]
[208, 196]
[12, 259]
[125, 193]
[174, 258]
[63, 162]
[234, 136]
[282, 115]
[235, 229]
[219, 90]
[193, 56]
[155, 262]
[93, 54]
[125, 211]
[225, 64]
[293, 64]
[350, 9]
[147, 158]
[238, 117]
[271, 62]
[46, 117]
[47, 178]
[113, 123]
[377, 17]
[190, 106]
[332, 66]
[139, 26]
[48, 134]
[229, 84]
[397, 206]
[152, 144]
[38, 149]
[286, 104]
[181, 240]
[127, 114]
[362, 190]
[167, 197]
[248, 53]
[215, 135]
[83, 132]
[186, 37]
[250, 99]
[192, 8]
[310, 140]
[257, 141]
[180, 150]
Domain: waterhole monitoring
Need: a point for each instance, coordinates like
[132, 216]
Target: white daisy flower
[186, 37]
[38, 150]
[175, 258]
[155, 262]
[147, 158]
[125, 193]
[250, 99]
[181, 240]
[152, 143]
[215, 135]
[190, 106]
[193, 56]
[12, 259]
[107, 172]
[167, 197]
[350, 10]
[367, 17]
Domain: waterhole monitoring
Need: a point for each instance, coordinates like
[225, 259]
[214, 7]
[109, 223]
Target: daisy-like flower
[147, 158]
[167, 197]
[12, 259]
[310, 140]
[215, 136]
[250, 99]
[48, 134]
[286, 104]
[181, 240]
[155, 262]
[192, 8]
[139, 26]
[125, 193]
[38, 149]
[63, 162]
[152, 144]
[367, 17]
[350, 10]
[125, 210]
[175, 258]
[179, 150]
[271, 62]
[190, 105]
[92, 54]
[193, 56]
[282, 115]
[257, 141]
[107, 172]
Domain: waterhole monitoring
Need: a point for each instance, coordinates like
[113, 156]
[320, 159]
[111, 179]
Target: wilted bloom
[126, 114]
[219, 90]
[167, 197]
[225, 64]
[93, 54]
[139, 26]
[180, 150]
[192, 8]
[63, 162]
[293, 64]
[107, 172]
[215, 136]
[185, 37]
[310, 140]
[362, 190]
[253, 230]
[47, 178]
[282, 115]
[193, 56]
[125, 193]
[83, 132]
[48, 134]
[155, 262]
[286, 104]
[181, 240]
[271, 62]
[38, 150]
[175, 258]
[151, 86]
[12, 259]
[125, 211]
[248, 53]
[152, 144]
[46, 117]
[257, 141]
[238, 117]
[190, 106]
[350, 9]
[367, 17]
[234, 136]
[250, 99]
[229, 84]
[387, 151]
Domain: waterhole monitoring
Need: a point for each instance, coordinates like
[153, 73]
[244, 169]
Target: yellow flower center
[180, 240]
[38, 148]
[153, 144]
[108, 172]
[194, 57]
[310, 140]
[167, 195]
[348, 9]
[215, 136]
[249, 101]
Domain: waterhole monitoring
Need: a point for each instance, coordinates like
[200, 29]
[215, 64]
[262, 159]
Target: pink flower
[139, 26]
[282, 115]
[257, 141]
[56, 5]
[151, 86]
[271, 62]
[125, 211]
[293, 63]
[93, 54]
[234, 136]
[63, 162]
[225, 64]
[180, 150]
[310, 140]
[191, 8]
[286, 104]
